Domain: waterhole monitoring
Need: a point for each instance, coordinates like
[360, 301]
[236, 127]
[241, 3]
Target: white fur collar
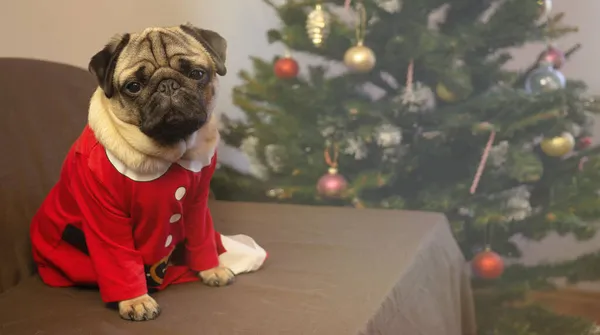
[190, 165]
[137, 156]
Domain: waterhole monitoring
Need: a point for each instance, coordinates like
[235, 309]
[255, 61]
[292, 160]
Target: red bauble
[286, 68]
[332, 184]
[553, 56]
[584, 142]
[488, 264]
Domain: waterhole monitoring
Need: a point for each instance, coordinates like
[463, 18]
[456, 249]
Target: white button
[174, 218]
[180, 193]
[169, 240]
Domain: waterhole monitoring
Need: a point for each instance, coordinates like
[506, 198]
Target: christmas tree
[427, 117]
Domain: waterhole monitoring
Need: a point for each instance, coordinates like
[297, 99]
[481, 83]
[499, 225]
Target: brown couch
[330, 271]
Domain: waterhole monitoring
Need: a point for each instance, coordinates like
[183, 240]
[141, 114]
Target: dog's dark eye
[133, 87]
[196, 74]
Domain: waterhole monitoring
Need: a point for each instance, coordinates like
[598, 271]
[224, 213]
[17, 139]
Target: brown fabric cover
[43, 109]
[330, 271]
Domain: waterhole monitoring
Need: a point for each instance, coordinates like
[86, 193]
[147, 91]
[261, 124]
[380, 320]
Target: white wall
[584, 14]
[71, 31]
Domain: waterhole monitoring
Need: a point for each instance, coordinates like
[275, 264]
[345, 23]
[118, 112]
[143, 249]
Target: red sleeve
[201, 246]
[109, 234]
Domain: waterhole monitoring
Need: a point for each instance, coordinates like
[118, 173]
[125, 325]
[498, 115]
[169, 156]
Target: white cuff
[242, 254]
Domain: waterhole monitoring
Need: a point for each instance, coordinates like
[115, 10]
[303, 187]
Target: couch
[330, 270]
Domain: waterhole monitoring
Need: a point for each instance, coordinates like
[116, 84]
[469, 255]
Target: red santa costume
[105, 225]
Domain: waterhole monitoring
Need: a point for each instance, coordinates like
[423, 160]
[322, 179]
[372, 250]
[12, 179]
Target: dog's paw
[219, 276]
[139, 309]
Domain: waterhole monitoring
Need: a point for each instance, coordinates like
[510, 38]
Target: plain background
[71, 31]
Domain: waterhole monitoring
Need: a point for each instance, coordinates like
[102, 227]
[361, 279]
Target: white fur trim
[198, 164]
[243, 254]
[132, 174]
[190, 165]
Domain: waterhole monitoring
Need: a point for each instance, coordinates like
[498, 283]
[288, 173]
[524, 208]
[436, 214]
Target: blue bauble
[545, 79]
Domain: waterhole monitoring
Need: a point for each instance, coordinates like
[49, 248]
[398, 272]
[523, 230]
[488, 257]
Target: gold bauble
[444, 93]
[558, 146]
[317, 25]
[360, 58]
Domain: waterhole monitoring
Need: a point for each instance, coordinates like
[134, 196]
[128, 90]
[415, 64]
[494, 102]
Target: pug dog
[129, 213]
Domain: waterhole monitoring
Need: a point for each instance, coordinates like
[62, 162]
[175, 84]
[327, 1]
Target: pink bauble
[554, 56]
[332, 184]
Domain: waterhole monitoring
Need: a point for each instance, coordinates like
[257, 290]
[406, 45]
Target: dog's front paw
[139, 309]
[219, 276]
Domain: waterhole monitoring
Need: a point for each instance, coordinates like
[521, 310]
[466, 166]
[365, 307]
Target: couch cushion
[330, 271]
[44, 108]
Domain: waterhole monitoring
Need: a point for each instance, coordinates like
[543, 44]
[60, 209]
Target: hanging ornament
[584, 142]
[419, 99]
[360, 58]
[517, 205]
[286, 67]
[558, 146]
[488, 264]
[275, 193]
[317, 25]
[499, 154]
[332, 184]
[356, 147]
[544, 7]
[483, 161]
[444, 93]
[388, 135]
[553, 56]
[544, 79]
[415, 96]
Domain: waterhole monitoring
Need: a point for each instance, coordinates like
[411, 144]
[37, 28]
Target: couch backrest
[43, 108]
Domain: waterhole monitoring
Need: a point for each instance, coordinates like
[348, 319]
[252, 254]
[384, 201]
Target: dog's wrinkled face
[162, 80]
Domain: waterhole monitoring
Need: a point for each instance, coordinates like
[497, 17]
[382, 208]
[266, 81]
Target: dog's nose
[168, 87]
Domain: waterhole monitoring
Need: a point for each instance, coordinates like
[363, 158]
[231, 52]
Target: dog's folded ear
[102, 65]
[214, 43]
